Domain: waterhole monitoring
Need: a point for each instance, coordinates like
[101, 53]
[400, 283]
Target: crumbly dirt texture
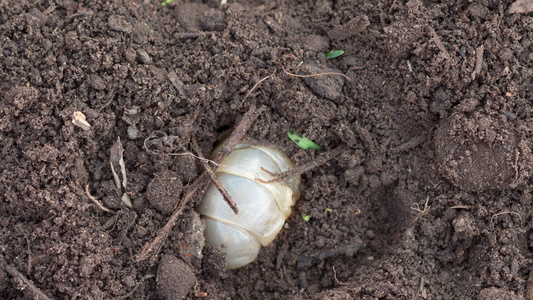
[430, 200]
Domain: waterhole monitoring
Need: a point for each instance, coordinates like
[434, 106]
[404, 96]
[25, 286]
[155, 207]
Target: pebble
[133, 132]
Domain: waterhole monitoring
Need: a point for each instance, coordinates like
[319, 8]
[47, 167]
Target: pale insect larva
[263, 207]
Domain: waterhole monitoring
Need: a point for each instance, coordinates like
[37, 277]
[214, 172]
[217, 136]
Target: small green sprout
[306, 217]
[166, 2]
[334, 53]
[302, 141]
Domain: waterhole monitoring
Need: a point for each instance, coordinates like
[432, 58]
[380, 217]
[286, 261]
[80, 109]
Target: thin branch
[320, 160]
[421, 212]
[335, 276]
[237, 134]
[440, 45]
[313, 75]
[163, 233]
[254, 87]
[213, 176]
[479, 61]
[257, 84]
[462, 206]
[136, 286]
[504, 213]
[100, 205]
[34, 290]
[153, 247]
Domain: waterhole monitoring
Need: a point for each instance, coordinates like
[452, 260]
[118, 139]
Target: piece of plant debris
[521, 7]
[303, 142]
[334, 53]
[166, 2]
[116, 160]
[79, 119]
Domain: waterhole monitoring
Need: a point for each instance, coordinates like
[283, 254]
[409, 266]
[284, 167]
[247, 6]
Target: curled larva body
[263, 207]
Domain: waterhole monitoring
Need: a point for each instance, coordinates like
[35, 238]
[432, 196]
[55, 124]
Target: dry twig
[421, 212]
[153, 247]
[504, 213]
[213, 176]
[320, 160]
[438, 42]
[162, 234]
[313, 75]
[479, 61]
[98, 203]
[237, 134]
[335, 276]
[462, 206]
[136, 287]
[19, 277]
[257, 84]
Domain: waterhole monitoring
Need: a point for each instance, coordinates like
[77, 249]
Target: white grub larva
[263, 207]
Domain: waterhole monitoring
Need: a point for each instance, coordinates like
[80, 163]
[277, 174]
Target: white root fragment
[79, 119]
[98, 203]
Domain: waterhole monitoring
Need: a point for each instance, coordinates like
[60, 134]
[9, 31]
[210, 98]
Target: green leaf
[334, 53]
[303, 142]
[306, 217]
[166, 2]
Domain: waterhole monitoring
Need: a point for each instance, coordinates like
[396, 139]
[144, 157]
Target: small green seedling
[334, 53]
[166, 2]
[303, 142]
[306, 217]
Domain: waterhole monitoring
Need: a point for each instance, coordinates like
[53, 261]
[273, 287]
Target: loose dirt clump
[475, 154]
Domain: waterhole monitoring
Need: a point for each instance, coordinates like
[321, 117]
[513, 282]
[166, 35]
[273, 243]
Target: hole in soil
[391, 213]
[223, 128]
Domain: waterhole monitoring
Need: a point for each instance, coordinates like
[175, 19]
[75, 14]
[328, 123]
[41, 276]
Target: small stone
[39, 15]
[328, 86]
[130, 55]
[464, 225]
[144, 57]
[133, 132]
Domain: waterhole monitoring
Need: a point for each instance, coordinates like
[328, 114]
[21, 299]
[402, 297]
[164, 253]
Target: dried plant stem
[213, 177]
[19, 277]
[314, 75]
[320, 160]
[153, 247]
[98, 203]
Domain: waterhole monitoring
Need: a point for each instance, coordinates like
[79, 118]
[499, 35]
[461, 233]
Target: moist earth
[430, 197]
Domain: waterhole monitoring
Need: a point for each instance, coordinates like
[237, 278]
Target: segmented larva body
[263, 207]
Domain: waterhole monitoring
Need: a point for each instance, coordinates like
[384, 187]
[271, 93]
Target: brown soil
[430, 201]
